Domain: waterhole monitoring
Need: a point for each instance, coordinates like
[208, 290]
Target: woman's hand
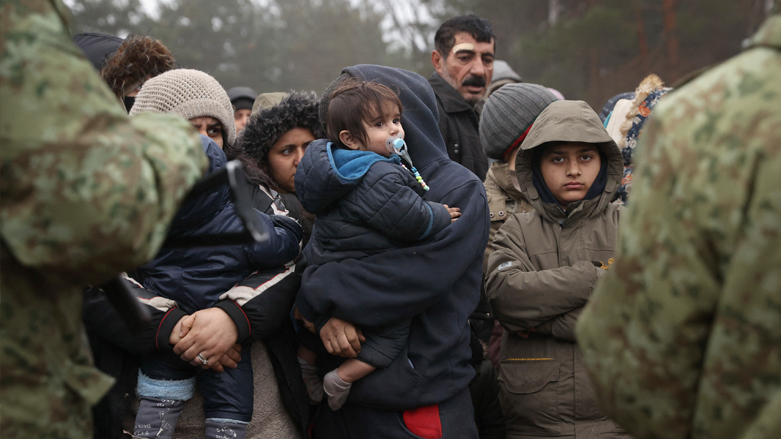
[341, 338]
[209, 332]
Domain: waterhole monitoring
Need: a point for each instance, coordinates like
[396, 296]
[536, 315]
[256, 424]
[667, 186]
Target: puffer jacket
[541, 276]
[365, 203]
[196, 277]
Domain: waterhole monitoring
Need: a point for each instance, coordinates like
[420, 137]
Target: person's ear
[438, 61]
[348, 139]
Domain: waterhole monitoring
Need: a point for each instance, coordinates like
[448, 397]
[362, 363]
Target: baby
[368, 198]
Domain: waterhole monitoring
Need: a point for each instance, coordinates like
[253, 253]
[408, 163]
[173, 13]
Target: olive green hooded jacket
[541, 276]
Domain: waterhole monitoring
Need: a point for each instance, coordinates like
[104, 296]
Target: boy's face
[569, 170]
[378, 129]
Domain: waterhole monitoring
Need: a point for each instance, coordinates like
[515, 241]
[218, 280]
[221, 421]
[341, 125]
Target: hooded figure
[542, 272]
[435, 283]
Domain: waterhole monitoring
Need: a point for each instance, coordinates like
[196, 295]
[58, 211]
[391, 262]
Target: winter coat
[541, 276]
[259, 306]
[365, 204]
[196, 277]
[412, 282]
[85, 193]
[683, 336]
[459, 123]
[504, 200]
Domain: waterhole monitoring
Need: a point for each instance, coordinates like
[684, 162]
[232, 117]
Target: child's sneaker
[337, 390]
[314, 387]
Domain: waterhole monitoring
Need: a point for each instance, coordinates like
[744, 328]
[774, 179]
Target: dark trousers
[452, 419]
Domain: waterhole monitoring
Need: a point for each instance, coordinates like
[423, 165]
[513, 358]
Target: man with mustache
[463, 61]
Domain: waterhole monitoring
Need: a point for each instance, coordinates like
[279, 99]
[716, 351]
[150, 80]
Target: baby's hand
[455, 212]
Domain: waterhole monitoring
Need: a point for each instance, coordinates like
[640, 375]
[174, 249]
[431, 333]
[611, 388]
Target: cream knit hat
[190, 94]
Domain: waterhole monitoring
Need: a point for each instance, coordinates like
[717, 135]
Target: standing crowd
[442, 257]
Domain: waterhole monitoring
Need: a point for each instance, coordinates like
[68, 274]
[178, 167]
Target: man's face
[468, 67]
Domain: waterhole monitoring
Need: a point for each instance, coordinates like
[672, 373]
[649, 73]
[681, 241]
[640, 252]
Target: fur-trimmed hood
[297, 110]
[137, 58]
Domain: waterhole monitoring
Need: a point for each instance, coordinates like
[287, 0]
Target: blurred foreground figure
[683, 337]
[85, 193]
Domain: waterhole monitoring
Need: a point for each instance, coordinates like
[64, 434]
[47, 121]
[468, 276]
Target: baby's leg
[337, 382]
[156, 418]
[163, 387]
[228, 399]
[314, 387]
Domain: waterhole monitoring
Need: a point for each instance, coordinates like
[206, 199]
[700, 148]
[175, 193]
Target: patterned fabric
[683, 335]
[630, 142]
[85, 194]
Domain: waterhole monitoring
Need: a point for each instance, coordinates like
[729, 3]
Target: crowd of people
[443, 257]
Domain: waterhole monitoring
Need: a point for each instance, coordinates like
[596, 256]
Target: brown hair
[354, 102]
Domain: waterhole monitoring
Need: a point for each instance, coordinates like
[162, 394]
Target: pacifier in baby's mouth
[397, 145]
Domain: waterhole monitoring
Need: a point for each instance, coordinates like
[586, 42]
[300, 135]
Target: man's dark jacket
[458, 123]
[435, 283]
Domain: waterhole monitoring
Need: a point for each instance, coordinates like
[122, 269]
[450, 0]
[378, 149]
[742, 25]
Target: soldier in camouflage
[85, 194]
[683, 336]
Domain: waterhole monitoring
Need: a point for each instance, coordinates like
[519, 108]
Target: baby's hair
[354, 102]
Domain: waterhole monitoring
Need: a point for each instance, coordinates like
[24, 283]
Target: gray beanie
[190, 94]
[507, 115]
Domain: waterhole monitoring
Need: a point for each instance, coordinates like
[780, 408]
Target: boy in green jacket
[543, 268]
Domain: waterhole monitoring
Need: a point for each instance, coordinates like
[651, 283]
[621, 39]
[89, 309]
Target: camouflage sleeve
[682, 330]
[522, 297]
[85, 190]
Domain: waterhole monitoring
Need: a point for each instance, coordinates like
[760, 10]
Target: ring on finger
[202, 359]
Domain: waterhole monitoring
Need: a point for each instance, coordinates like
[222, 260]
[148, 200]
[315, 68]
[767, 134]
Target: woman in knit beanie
[194, 95]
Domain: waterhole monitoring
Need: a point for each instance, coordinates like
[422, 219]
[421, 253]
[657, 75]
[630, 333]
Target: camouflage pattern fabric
[683, 336]
[85, 193]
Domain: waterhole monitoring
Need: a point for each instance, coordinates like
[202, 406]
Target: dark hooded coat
[436, 283]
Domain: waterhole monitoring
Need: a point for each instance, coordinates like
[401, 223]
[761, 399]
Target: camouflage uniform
[683, 337]
[85, 194]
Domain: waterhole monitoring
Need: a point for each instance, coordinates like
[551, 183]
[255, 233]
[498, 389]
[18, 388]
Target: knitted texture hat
[190, 94]
[297, 110]
[508, 114]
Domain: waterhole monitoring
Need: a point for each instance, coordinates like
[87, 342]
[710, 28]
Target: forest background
[586, 49]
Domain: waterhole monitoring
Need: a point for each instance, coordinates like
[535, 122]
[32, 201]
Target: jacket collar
[452, 102]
